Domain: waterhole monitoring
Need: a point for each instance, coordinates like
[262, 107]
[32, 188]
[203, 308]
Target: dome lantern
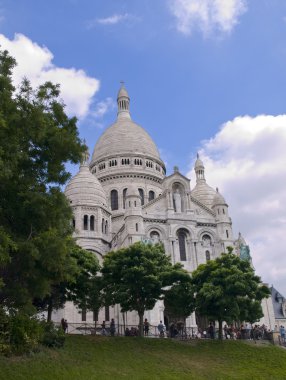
[199, 169]
[123, 101]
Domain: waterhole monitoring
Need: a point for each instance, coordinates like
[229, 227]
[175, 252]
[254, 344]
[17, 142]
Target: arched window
[85, 222]
[91, 223]
[206, 240]
[106, 227]
[155, 236]
[182, 237]
[102, 225]
[141, 193]
[208, 255]
[151, 195]
[124, 197]
[114, 199]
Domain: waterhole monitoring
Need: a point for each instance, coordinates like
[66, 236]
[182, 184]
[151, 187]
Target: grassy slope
[134, 358]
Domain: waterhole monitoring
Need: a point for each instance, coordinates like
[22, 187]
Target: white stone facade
[124, 196]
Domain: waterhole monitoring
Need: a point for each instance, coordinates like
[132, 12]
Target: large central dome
[126, 145]
[124, 137]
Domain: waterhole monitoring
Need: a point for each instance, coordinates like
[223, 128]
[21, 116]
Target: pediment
[157, 205]
[200, 209]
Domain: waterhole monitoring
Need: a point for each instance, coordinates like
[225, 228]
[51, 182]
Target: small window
[151, 195]
[106, 227]
[95, 316]
[85, 222]
[101, 166]
[223, 211]
[83, 315]
[226, 233]
[208, 255]
[102, 226]
[124, 197]
[136, 227]
[114, 199]
[141, 193]
[73, 223]
[107, 316]
[92, 223]
[182, 237]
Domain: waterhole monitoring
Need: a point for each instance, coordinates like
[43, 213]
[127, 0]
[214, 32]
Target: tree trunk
[141, 314]
[220, 330]
[50, 310]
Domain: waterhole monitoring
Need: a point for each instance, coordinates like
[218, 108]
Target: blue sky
[202, 75]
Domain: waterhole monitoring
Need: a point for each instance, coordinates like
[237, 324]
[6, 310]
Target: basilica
[122, 195]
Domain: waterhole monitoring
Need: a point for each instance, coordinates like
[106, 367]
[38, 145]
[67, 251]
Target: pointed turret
[123, 101]
[134, 227]
[199, 169]
[202, 191]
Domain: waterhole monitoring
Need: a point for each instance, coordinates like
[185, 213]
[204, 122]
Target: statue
[245, 252]
[206, 241]
[177, 201]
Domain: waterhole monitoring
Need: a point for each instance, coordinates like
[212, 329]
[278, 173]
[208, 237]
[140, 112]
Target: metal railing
[182, 333]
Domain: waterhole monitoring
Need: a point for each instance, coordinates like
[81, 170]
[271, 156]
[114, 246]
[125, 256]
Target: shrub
[21, 334]
[53, 336]
[25, 333]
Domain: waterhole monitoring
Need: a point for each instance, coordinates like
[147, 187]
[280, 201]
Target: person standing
[112, 327]
[161, 329]
[103, 328]
[146, 327]
[211, 331]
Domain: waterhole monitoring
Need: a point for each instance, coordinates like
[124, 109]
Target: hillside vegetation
[87, 357]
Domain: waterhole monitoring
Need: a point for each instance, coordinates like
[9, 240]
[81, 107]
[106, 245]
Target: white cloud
[103, 107]
[111, 20]
[36, 63]
[246, 159]
[206, 15]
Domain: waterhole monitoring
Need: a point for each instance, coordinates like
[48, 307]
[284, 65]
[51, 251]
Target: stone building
[123, 195]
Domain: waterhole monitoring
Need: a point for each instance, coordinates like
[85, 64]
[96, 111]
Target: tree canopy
[37, 139]
[227, 289]
[179, 300]
[135, 277]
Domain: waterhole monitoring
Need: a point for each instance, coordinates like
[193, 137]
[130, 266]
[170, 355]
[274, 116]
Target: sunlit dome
[84, 188]
[125, 138]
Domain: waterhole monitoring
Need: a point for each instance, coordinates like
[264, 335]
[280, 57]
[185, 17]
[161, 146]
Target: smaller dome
[218, 199]
[133, 190]
[122, 92]
[204, 193]
[85, 189]
[199, 163]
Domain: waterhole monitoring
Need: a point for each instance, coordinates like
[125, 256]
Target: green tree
[80, 285]
[179, 300]
[135, 277]
[37, 139]
[86, 288]
[227, 289]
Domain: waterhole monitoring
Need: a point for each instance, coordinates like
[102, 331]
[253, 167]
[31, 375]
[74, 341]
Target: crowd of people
[244, 331]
